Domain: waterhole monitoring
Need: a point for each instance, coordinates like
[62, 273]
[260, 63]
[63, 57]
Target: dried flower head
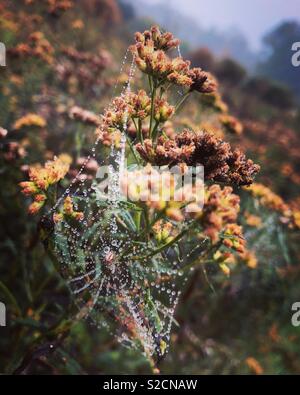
[202, 81]
[220, 162]
[151, 58]
[163, 41]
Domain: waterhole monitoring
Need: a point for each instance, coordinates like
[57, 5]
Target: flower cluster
[68, 212]
[162, 110]
[139, 104]
[97, 62]
[219, 222]
[41, 178]
[289, 214]
[166, 152]
[78, 24]
[268, 198]
[58, 6]
[220, 209]
[129, 107]
[83, 69]
[233, 238]
[29, 120]
[250, 259]
[163, 231]
[13, 150]
[160, 41]
[114, 119]
[231, 124]
[84, 116]
[252, 220]
[37, 46]
[159, 191]
[150, 56]
[221, 163]
[254, 365]
[226, 258]
[54, 7]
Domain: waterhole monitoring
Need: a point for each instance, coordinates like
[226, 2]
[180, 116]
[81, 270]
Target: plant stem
[137, 219]
[162, 248]
[140, 128]
[150, 82]
[135, 125]
[133, 151]
[155, 130]
[153, 93]
[147, 223]
[153, 222]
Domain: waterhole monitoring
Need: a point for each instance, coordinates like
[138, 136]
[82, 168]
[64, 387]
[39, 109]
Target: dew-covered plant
[127, 254]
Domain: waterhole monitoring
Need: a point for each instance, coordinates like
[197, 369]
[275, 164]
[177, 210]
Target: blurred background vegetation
[62, 54]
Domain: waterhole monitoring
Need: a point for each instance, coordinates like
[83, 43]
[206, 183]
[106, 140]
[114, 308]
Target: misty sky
[251, 17]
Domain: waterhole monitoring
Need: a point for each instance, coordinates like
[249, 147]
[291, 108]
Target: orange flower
[29, 120]
[35, 207]
[162, 231]
[296, 218]
[41, 178]
[78, 24]
[271, 200]
[250, 259]
[221, 208]
[273, 333]
[253, 220]
[254, 365]
[29, 187]
[225, 269]
[235, 238]
[68, 212]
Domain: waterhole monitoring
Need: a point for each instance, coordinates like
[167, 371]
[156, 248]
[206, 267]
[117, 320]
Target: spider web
[134, 299]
